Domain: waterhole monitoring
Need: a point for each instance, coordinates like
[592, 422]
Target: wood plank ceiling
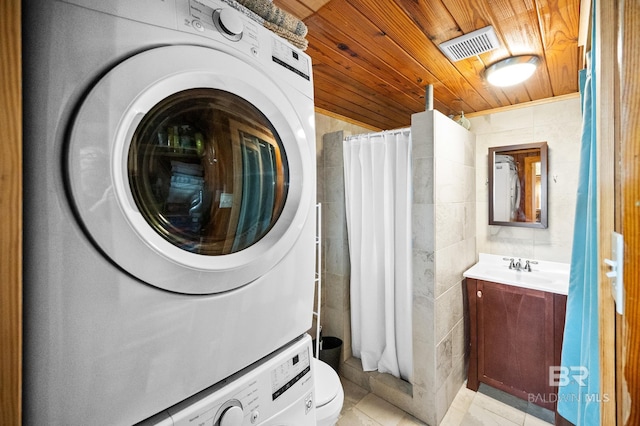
[372, 59]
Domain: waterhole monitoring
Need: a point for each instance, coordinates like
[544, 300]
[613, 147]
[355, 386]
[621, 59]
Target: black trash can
[330, 352]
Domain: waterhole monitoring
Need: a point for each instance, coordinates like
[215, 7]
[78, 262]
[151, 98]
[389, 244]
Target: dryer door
[190, 169]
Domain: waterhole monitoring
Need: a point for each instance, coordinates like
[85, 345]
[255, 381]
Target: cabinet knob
[479, 294]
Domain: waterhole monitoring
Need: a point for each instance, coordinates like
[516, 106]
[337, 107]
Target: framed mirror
[518, 185]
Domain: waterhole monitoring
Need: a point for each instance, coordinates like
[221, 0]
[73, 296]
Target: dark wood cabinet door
[515, 347]
[515, 337]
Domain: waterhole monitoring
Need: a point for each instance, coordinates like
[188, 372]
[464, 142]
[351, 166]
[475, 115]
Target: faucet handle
[528, 264]
[511, 262]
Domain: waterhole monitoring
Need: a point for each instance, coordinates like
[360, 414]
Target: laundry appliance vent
[472, 44]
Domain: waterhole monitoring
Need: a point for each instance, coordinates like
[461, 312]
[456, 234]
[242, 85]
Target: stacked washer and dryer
[169, 216]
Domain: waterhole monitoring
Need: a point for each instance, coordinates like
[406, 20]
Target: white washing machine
[276, 391]
[169, 192]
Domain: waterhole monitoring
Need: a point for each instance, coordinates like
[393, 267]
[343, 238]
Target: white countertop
[546, 276]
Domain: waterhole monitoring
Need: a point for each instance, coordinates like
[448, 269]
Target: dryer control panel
[215, 18]
[240, 28]
[278, 386]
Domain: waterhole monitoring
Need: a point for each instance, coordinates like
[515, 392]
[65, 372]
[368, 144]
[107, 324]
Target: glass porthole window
[208, 171]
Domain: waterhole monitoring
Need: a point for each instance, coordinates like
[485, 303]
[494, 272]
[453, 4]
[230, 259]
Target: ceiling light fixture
[513, 70]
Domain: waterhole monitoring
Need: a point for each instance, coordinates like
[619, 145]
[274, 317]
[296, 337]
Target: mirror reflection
[518, 185]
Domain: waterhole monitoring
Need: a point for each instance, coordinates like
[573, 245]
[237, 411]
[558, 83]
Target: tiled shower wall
[444, 246]
[335, 313]
[335, 279]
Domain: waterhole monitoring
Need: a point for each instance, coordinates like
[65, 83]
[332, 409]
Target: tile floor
[469, 408]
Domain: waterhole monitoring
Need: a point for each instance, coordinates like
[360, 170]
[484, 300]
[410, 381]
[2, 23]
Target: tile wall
[559, 124]
[335, 313]
[444, 247]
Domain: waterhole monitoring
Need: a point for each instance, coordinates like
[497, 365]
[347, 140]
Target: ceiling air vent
[472, 44]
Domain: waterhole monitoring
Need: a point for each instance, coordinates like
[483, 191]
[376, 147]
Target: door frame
[11, 224]
[605, 135]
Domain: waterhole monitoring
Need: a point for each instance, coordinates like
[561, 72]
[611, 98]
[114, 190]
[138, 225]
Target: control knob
[229, 23]
[232, 414]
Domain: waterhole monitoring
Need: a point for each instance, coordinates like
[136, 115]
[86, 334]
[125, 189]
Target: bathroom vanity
[516, 327]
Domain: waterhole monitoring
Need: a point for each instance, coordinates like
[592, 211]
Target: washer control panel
[280, 384]
[290, 372]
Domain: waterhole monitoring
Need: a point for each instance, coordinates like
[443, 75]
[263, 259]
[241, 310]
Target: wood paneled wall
[11, 223]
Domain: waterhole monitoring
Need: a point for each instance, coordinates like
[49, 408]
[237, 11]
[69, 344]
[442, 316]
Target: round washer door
[190, 169]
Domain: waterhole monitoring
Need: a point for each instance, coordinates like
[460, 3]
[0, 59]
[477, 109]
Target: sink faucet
[517, 266]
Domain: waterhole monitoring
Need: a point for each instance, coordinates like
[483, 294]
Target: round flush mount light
[513, 70]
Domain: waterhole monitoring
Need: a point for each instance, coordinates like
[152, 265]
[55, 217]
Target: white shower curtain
[377, 174]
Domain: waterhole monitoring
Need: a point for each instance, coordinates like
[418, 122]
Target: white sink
[545, 276]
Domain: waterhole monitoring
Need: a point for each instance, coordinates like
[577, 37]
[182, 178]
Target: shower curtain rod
[392, 132]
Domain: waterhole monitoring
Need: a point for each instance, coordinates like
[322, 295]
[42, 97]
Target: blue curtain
[578, 377]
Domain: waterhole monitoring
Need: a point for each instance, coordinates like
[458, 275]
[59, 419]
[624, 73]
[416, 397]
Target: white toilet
[329, 394]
